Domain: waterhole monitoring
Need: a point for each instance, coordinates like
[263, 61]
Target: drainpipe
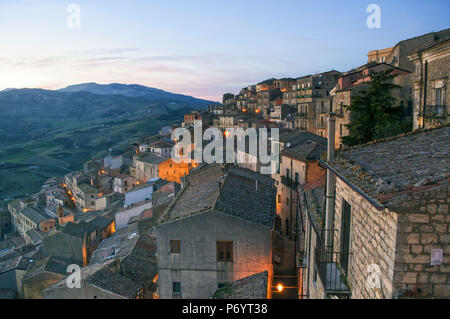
[331, 181]
[425, 93]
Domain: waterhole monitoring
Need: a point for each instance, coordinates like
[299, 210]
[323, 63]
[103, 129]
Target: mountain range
[29, 112]
[46, 133]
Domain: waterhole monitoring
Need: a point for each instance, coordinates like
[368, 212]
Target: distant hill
[130, 90]
[27, 113]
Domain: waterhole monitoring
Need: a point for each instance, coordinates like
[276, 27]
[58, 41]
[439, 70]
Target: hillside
[27, 113]
[47, 133]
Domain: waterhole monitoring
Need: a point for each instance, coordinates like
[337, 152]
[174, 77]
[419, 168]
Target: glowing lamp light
[280, 288]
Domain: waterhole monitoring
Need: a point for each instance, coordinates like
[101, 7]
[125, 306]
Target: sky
[203, 48]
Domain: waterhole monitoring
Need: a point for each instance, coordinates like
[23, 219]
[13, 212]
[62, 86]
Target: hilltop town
[142, 226]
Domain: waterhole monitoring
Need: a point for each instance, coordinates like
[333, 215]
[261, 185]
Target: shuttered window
[225, 251]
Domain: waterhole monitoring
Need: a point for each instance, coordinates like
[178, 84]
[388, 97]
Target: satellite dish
[288, 145]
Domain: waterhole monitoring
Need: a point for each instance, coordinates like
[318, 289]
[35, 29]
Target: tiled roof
[252, 287]
[57, 265]
[397, 164]
[35, 215]
[198, 195]
[248, 197]
[305, 151]
[35, 235]
[298, 137]
[116, 246]
[141, 264]
[313, 200]
[152, 159]
[19, 262]
[114, 282]
[243, 193]
[82, 228]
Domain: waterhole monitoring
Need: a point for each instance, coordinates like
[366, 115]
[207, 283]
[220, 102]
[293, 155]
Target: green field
[25, 166]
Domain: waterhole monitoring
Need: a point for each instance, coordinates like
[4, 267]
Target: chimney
[331, 181]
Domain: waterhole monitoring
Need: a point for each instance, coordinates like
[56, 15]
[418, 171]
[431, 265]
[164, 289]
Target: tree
[372, 112]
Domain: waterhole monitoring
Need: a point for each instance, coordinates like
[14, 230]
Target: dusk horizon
[202, 54]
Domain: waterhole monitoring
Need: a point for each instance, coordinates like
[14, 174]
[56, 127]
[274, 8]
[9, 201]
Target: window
[345, 236]
[279, 198]
[297, 178]
[341, 129]
[287, 201]
[288, 173]
[439, 97]
[175, 247]
[225, 251]
[176, 289]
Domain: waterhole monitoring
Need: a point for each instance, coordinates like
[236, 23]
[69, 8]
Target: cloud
[202, 75]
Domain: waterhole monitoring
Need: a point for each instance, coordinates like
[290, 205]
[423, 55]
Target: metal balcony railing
[339, 113]
[434, 111]
[332, 267]
[288, 182]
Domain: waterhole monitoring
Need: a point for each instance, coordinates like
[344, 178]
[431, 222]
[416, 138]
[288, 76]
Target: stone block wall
[424, 225]
[373, 236]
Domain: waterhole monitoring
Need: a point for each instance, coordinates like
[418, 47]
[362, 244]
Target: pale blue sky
[198, 47]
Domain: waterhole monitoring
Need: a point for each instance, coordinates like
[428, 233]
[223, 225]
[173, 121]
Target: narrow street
[285, 271]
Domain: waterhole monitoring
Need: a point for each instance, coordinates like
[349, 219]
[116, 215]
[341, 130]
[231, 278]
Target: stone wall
[196, 267]
[424, 225]
[373, 236]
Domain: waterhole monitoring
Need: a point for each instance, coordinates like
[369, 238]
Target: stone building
[402, 50]
[383, 230]
[12, 270]
[313, 99]
[174, 172]
[146, 167]
[5, 222]
[379, 56]
[97, 282]
[218, 230]
[43, 274]
[298, 166]
[351, 84]
[77, 242]
[430, 83]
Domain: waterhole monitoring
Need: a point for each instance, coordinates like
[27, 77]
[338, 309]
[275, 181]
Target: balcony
[339, 113]
[434, 111]
[302, 115]
[286, 181]
[331, 268]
